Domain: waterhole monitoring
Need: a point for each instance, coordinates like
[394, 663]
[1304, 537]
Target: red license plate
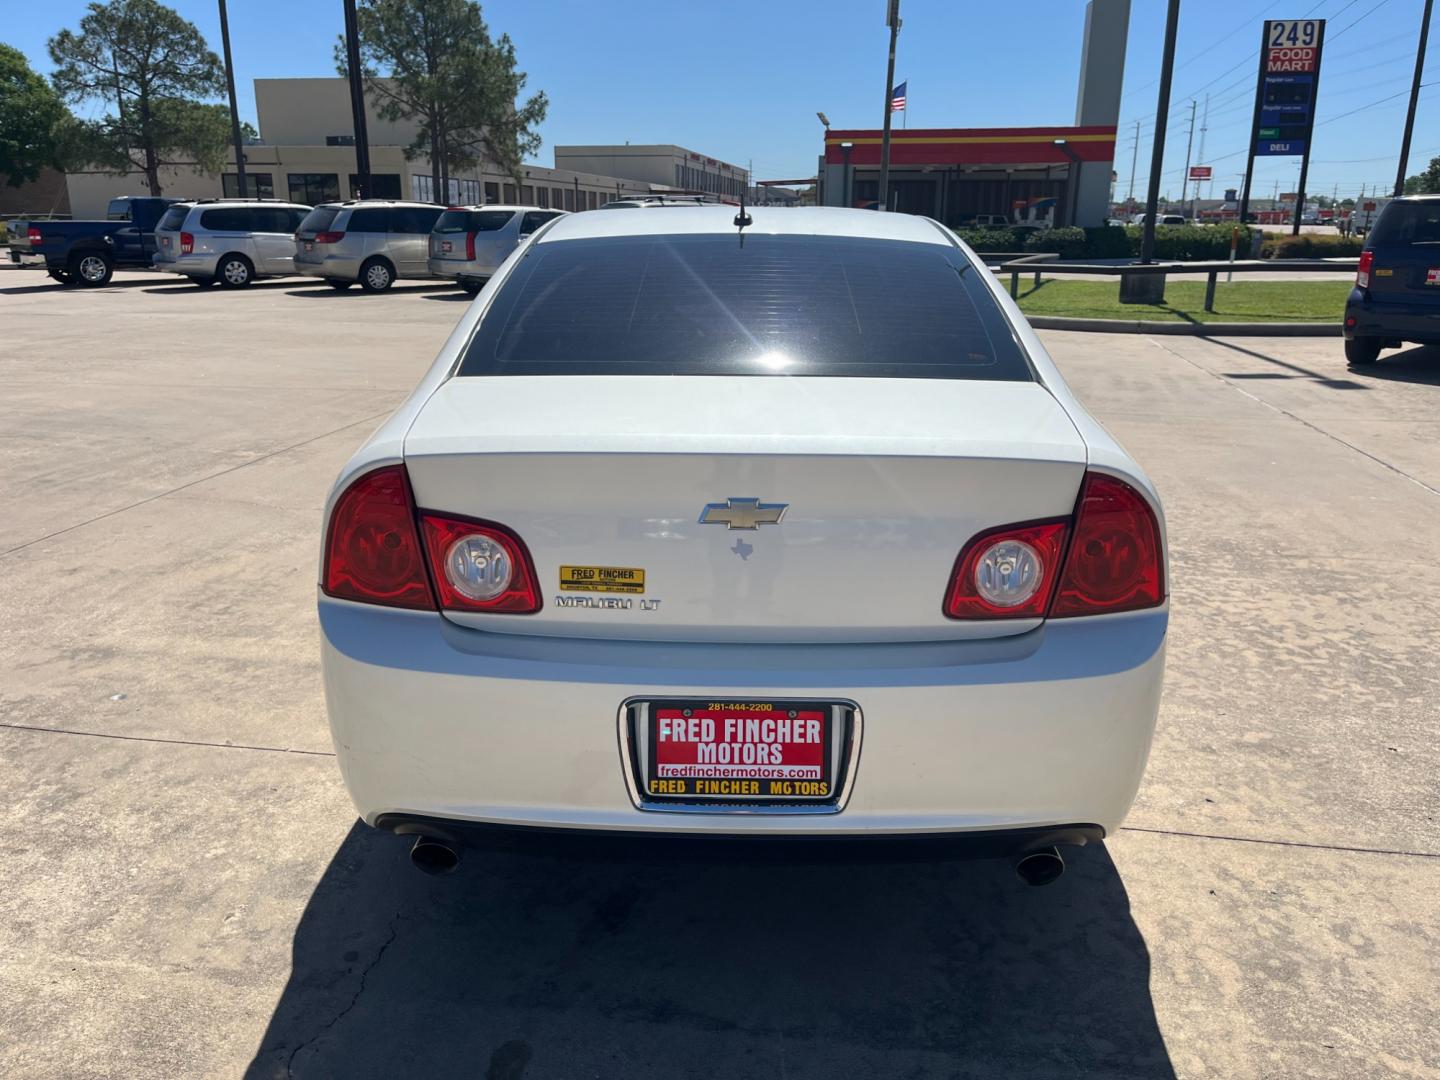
[445, 246]
[741, 751]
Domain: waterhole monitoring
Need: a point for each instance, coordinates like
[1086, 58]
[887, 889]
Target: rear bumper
[434, 721]
[187, 265]
[458, 270]
[344, 267]
[1405, 320]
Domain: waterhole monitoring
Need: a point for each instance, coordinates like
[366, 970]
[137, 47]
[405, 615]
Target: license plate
[165, 241]
[747, 751]
[445, 247]
[309, 245]
[1432, 276]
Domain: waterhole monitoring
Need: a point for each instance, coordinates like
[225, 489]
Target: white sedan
[780, 528]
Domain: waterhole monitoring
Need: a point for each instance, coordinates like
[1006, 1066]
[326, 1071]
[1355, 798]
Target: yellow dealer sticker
[621, 579]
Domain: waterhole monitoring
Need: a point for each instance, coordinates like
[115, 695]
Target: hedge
[1173, 243]
[993, 239]
[1310, 246]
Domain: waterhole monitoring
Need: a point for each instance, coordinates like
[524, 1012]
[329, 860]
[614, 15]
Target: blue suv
[1396, 297]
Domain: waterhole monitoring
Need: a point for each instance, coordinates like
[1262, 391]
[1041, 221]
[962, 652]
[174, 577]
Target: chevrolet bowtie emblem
[743, 513]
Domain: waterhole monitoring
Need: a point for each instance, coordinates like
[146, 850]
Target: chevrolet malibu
[779, 527]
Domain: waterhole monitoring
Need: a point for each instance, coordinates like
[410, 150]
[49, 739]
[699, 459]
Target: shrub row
[1172, 242]
[1310, 246]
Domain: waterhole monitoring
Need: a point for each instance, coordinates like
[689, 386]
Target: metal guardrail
[1212, 269]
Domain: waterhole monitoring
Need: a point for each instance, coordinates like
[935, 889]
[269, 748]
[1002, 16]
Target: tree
[433, 61]
[152, 65]
[1425, 183]
[31, 118]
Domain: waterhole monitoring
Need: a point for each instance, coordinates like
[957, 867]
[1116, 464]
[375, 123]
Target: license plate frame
[639, 721]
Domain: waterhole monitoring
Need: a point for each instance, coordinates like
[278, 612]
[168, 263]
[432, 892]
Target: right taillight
[1115, 560]
[187, 243]
[329, 237]
[34, 235]
[372, 550]
[480, 566]
[470, 246]
[1362, 269]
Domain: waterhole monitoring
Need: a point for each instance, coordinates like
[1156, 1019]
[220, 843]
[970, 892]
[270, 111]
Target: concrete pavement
[184, 891]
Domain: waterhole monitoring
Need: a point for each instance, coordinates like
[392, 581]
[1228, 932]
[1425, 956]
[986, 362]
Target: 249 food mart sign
[1289, 78]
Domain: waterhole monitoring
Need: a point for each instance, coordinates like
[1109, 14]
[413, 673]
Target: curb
[1214, 329]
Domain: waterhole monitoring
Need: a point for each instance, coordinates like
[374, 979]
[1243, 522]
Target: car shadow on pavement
[48, 285]
[534, 966]
[1420, 364]
[328, 293]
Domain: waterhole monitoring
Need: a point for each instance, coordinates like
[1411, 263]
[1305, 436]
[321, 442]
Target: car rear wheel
[235, 272]
[377, 275]
[92, 268]
[338, 283]
[1362, 350]
[472, 288]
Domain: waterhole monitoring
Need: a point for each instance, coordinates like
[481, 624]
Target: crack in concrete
[364, 975]
[162, 739]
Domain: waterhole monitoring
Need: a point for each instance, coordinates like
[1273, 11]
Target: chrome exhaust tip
[1040, 867]
[434, 856]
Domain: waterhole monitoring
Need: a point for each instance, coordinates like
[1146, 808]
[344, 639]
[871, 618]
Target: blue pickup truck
[87, 252]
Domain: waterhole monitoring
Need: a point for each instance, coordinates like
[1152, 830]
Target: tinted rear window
[370, 219]
[414, 219]
[772, 305]
[319, 219]
[1407, 223]
[228, 219]
[461, 221]
[174, 218]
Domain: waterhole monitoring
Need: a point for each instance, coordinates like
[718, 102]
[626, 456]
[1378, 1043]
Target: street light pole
[1414, 98]
[892, 19]
[1157, 152]
[357, 100]
[234, 112]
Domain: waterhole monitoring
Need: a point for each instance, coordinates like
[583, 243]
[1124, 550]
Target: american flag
[897, 97]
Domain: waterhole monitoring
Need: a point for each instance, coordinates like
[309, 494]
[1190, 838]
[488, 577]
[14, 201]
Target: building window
[311, 189]
[569, 199]
[509, 193]
[557, 198]
[382, 185]
[492, 192]
[542, 196]
[422, 188]
[590, 200]
[527, 194]
[257, 185]
[339, 140]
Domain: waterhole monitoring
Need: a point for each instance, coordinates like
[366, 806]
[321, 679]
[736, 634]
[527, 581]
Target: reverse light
[1115, 562]
[1007, 573]
[479, 566]
[1362, 269]
[187, 243]
[372, 550]
[329, 237]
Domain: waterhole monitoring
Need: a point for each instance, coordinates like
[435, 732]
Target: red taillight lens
[372, 552]
[1115, 561]
[329, 237]
[34, 235]
[1007, 573]
[187, 243]
[470, 246]
[480, 566]
[1362, 269]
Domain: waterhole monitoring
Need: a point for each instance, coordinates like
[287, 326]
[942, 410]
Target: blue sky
[742, 82]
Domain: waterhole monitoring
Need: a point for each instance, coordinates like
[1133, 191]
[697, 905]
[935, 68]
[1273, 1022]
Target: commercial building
[1058, 175]
[672, 166]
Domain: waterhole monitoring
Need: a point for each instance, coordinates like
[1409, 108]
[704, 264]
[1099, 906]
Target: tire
[1362, 350]
[64, 277]
[92, 269]
[472, 288]
[203, 282]
[234, 271]
[376, 275]
[338, 283]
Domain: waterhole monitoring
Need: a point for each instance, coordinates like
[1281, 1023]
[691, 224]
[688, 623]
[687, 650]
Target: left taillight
[372, 549]
[187, 243]
[34, 235]
[1363, 268]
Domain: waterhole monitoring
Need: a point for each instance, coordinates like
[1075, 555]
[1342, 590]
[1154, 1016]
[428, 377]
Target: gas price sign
[1289, 77]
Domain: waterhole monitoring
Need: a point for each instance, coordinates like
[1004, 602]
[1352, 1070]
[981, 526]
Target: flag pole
[905, 120]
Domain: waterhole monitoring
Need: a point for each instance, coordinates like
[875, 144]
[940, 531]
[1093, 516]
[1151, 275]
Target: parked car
[469, 243]
[990, 221]
[1396, 297]
[230, 241]
[1165, 219]
[372, 241]
[796, 538]
[87, 252]
[659, 200]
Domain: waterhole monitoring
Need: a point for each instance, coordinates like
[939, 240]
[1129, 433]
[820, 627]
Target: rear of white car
[789, 531]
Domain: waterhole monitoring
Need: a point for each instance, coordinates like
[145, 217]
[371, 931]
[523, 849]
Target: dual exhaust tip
[436, 857]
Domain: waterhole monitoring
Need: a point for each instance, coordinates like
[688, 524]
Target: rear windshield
[319, 219]
[118, 210]
[461, 221]
[1407, 223]
[757, 305]
[174, 218]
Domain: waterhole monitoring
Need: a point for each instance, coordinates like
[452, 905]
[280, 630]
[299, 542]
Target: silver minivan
[372, 241]
[230, 241]
[470, 242]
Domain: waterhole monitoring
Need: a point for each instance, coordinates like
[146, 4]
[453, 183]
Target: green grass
[1240, 301]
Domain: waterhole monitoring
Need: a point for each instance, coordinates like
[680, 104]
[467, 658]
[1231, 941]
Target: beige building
[658, 164]
[306, 154]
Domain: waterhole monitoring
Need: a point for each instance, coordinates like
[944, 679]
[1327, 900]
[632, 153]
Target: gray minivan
[372, 241]
[470, 242]
[230, 241]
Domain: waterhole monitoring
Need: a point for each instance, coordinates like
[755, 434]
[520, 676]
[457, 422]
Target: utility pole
[234, 112]
[892, 20]
[357, 102]
[1414, 98]
[1189, 142]
[1157, 152]
[1134, 153]
[1200, 157]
